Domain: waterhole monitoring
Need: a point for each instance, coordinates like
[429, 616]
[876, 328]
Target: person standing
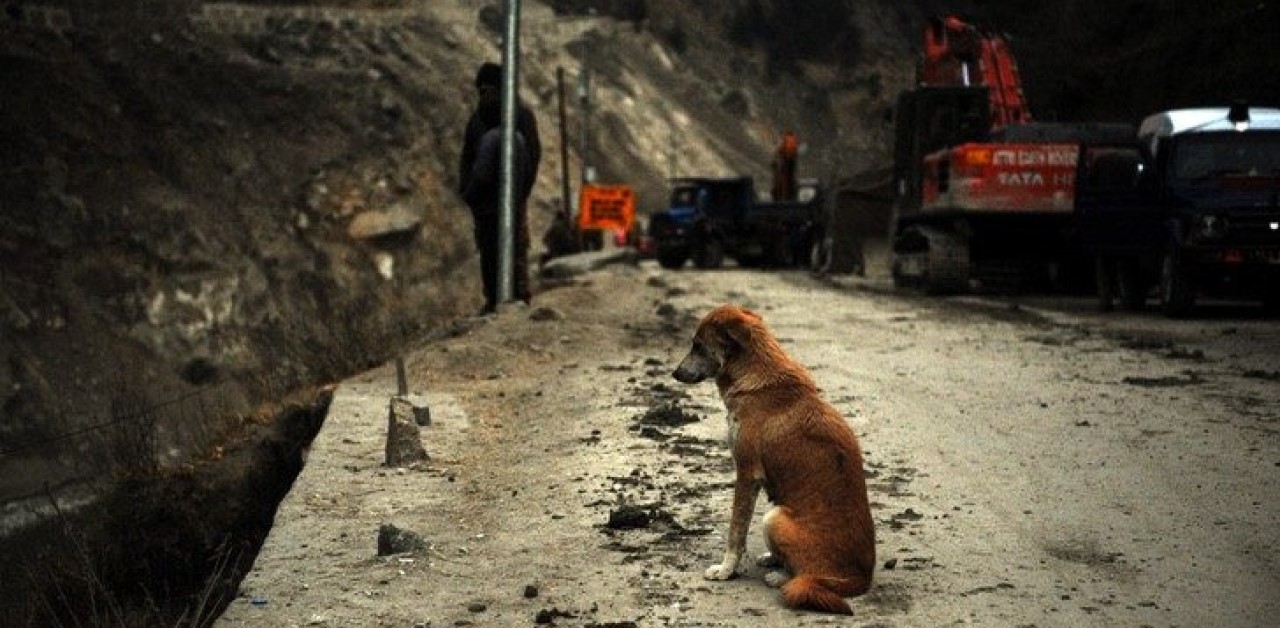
[480, 186]
[784, 168]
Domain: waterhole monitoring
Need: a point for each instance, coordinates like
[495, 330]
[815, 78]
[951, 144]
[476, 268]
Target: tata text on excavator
[982, 191]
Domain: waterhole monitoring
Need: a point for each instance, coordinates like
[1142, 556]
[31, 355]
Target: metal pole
[506, 216]
[564, 150]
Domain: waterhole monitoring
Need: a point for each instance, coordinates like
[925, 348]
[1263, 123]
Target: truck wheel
[672, 260]
[1105, 277]
[709, 255]
[820, 256]
[1177, 293]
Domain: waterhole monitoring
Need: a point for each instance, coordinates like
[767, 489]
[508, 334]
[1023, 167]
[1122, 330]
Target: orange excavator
[982, 192]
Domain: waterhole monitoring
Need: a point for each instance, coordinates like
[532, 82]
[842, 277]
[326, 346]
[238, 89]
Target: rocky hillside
[214, 203]
[205, 204]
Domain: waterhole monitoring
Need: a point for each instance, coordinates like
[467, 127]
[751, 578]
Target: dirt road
[1029, 466]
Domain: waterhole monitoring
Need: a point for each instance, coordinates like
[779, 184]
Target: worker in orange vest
[784, 168]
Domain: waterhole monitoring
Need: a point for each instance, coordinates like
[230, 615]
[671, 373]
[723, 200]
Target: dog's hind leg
[791, 543]
[817, 580]
[774, 558]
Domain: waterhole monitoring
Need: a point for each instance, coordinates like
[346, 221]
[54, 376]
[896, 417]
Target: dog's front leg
[745, 490]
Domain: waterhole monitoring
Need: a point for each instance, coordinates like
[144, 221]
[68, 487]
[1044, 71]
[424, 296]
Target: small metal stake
[402, 383]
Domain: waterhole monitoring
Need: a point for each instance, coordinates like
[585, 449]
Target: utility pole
[584, 152]
[584, 99]
[506, 217]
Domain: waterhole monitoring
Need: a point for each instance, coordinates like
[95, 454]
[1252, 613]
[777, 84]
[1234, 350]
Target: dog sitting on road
[785, 438]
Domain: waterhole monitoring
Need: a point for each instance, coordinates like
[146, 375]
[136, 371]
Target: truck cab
[1207, 218]
[711, 218]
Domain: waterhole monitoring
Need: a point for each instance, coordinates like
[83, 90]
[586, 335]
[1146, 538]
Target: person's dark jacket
[486, 118]
[482, 187]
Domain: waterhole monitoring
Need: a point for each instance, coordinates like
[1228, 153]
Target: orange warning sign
[606, 207]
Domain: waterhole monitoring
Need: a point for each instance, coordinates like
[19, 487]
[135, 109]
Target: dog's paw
[768, 560]
[776, 579]
[718, 572]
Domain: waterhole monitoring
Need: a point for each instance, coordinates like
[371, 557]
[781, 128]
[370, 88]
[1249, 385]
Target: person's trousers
[486, 235]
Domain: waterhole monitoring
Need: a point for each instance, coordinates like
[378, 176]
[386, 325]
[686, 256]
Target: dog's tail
[812, 592]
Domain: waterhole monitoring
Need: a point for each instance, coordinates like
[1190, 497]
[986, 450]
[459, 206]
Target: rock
[548, 616]
[376, 223]
[394, 540]
[491, 17]
[404, 447]
[628, 517]
[546, 314]
[580, 263]
[477, 607]
[419, 408]
[530, 591]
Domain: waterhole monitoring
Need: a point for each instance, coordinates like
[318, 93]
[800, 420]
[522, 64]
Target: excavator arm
[959, 54]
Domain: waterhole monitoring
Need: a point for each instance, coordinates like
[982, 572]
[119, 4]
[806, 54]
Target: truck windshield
[1205, 155]
[684, 196]
[1111, 167]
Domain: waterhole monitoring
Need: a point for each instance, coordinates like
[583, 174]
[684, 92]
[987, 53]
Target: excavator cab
[930, 119]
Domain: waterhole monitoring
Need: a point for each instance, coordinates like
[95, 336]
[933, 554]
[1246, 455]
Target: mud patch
[667, 415]
[1087, 553]
[652, 395]
[1143, 343]
[1159, 345]
[891, 597]
[1191, 355]
[1003, 586]
[692, 446]
[629, 517]
[1051, 341]
[903, 519]
[1270, 376]
[1191, 379]
[917, 563]
[888, 481]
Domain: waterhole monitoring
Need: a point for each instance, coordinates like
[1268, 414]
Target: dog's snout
[684, 375]
[695, 367]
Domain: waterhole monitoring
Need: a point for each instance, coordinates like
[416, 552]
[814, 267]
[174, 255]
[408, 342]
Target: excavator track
[933, 260]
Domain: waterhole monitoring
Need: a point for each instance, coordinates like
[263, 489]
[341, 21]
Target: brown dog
[785, 438]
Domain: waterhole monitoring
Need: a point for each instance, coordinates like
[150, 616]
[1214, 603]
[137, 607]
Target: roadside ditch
[166, 548]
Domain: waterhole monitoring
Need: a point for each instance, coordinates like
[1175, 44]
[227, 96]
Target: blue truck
[710, 219]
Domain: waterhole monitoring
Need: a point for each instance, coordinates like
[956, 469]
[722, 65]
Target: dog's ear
[738, 333]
